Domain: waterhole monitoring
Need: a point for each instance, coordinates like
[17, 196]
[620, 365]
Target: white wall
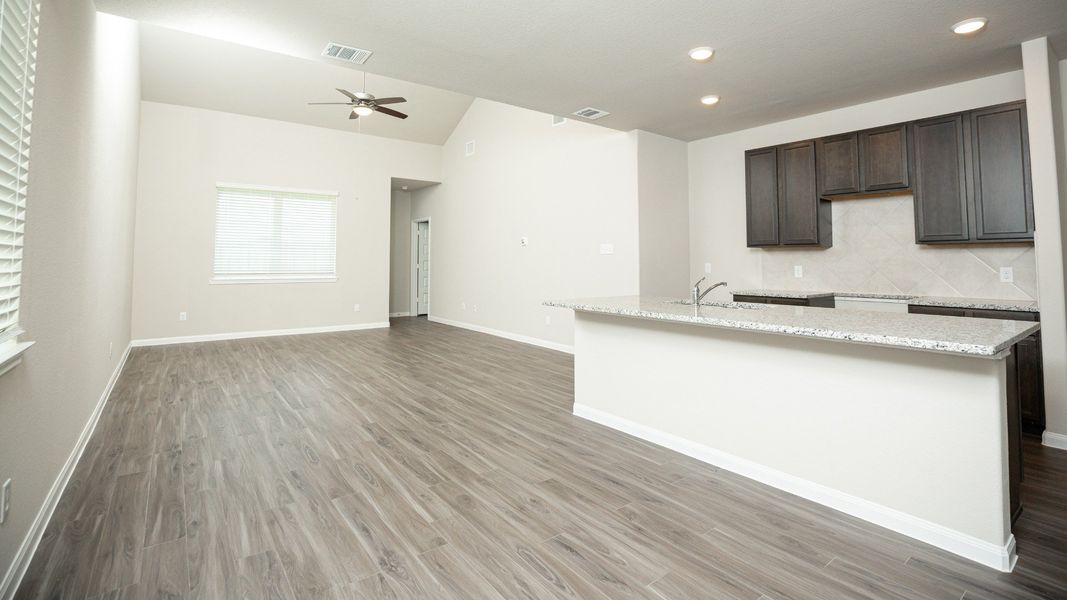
[717, 167]
[400, 254]
[663, 214]
[568, 188]
[186, 151]
[78, 257]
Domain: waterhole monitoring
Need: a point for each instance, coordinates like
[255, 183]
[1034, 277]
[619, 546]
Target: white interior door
[422, 278]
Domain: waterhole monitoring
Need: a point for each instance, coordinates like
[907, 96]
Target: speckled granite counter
[946, 301]
[987, 338]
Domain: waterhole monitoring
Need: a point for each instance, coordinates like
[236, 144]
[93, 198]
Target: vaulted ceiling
[774, 59]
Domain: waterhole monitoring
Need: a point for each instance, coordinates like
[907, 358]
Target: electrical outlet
[355, 308]
[5, 500]
[707, 268]
[182, 316]
[524, 241]
[1007, 275]
[798, 271]
[475, 308]
[607, 248]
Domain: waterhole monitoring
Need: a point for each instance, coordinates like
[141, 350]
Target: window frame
[280, 278]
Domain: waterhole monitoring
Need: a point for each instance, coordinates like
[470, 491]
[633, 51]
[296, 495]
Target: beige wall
[186, 151]
[717, 167]
[663, 214]
[77, 261]
[568, 189]
[400, 254]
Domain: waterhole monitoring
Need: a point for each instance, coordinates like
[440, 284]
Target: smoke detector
[346, 53]
[590, 113]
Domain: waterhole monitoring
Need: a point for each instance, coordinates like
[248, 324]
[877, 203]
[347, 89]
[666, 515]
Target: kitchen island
[899, 419]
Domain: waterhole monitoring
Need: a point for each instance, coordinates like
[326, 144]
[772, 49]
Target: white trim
[400, 314]
[991, 555]
[506, 335]
[11, 357]
[26, 550]
[1054, 440]
[224, 280]
[274, 188]
[240, 335]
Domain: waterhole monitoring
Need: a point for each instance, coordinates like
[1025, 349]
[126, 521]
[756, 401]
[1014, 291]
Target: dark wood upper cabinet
[884, 158]
[938, 152]
[798, 196]
[1000, 158]
[761, 196]
[839, 164]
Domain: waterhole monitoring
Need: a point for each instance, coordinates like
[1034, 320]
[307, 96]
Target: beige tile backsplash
[875, 251]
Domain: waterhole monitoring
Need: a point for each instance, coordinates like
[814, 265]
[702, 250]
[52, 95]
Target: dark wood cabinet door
[839, 164]
[798, 198]
[1000, 156]
[884, 153]
[938, 152]
[1031, 385]
[761, 196]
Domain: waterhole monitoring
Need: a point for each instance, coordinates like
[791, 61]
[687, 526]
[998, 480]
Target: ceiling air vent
[591, 113]
[346, 53]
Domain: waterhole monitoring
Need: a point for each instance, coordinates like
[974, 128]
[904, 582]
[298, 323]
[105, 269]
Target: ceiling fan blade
[317, 103]
[391, 112]
[347, 93]
[393, 100]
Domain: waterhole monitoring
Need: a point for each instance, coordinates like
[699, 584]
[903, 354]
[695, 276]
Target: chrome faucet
[698, 295]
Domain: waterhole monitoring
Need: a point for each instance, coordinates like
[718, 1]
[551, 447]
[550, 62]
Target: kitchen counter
[946, 301]
[983, 338]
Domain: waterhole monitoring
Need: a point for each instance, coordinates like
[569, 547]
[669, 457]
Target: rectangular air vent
[347, 53]
[591, 113]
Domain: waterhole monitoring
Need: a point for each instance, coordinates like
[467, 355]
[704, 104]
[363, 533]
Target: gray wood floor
[426, 461]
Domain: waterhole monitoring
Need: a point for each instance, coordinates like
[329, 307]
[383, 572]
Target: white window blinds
[18, 54]
[269, 235]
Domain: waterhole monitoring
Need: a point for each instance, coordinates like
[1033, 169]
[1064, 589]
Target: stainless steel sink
[737, 305]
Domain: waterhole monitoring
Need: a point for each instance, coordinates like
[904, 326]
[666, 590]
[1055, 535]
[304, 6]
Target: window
[18, 53]
[269, 235]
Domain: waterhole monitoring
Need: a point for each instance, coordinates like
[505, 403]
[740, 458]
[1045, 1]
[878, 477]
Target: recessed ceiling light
[702, 53]
[969, 26]
[710, 100]
[363, 111]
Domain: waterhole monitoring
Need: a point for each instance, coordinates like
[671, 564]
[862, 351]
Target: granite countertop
[984, 338]
[946, 301]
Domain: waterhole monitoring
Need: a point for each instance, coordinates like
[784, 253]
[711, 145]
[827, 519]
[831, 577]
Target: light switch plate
[182, 316]
[355, 308]
[1007, 275]
[798, 271]
[607, 248]
[5, 500]
[707, 267]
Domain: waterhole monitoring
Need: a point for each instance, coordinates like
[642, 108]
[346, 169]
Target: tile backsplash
[875, 251]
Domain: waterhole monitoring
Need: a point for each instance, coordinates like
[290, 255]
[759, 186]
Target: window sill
[11, 355]
[240, 280]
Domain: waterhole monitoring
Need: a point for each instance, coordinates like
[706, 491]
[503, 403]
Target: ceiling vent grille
[346, 53]
[590, 113]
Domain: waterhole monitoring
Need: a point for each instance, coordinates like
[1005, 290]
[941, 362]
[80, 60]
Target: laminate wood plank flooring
[426, 461]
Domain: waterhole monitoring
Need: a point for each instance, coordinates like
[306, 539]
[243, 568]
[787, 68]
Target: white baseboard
[1054, 440]
[400, 314]
[991, 555]
[26, 550]
[506, 335]
[215, 337]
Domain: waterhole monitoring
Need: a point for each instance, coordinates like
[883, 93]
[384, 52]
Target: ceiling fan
[364, 104]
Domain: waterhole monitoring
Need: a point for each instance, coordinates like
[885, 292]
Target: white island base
[914, 441]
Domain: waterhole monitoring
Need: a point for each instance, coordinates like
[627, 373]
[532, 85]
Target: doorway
[420, 267]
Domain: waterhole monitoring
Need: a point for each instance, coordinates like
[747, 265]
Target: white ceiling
[775, 59]
[187, 69]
